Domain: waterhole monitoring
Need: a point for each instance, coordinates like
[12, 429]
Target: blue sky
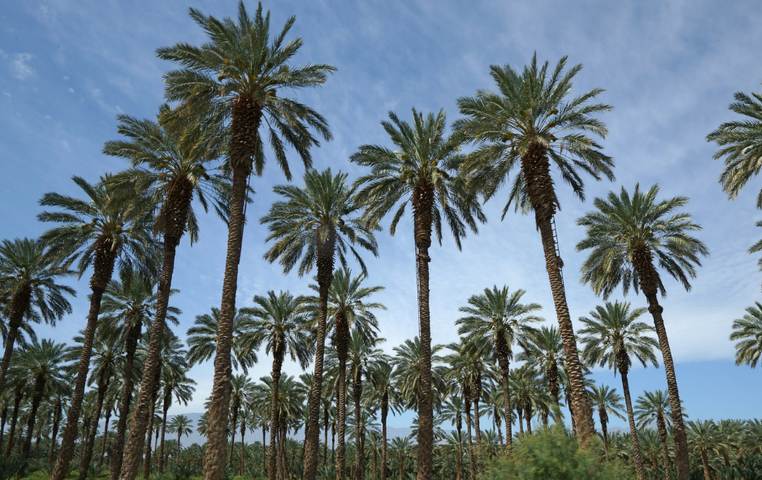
[67, 68]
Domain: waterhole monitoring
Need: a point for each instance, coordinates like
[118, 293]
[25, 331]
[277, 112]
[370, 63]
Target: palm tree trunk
[661, 427]
[477, 422]
[105, 441]
[535, 169]
[326, 409]
[234, 426]
[146, 447]
[3, 420]
[54, 432]
[274, 416]
[342, 337]
[471, 454]
[459, 456]
[325, 263]
[89, 442]
[384, 433]
[528, 418]
[636, 452]
[604, 429]
[130, 347]
[499, 428]
[243, 447]
[105, 258]
[164, 412]
[359, 434]
[423, 203]
[502, 348]
[19, 305]
[264, 449]
[39, 390]
[282, 465]
[705, 466]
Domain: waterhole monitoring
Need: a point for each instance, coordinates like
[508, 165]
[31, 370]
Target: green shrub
[553, 454]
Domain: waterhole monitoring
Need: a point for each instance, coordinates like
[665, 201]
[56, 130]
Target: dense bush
[553, 454]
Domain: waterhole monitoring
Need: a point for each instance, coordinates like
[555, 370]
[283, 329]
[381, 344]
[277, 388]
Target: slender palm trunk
[125, 399]
[637, 455]
[326, 408]
[535, 169]
[54, 431]
[105, 258]
[164, 411]
[499, 427]
[39, 391]
[243, 448]
[661, 428]
[520, 411]
[459, 454]
[274, 410]
[233, 429]
[604, 419]
[325, 263]
[283, 473]
[359, 434]
[342, 338]
[19, 305]
[89, 443]
[423, 204]
[3, 420]
[649, 281]
[477, 422]
[469, 438]
[384, 433]
[528, 418]
[705, 466]
[264, 449]
[503, 348]
[147, 447]
[105, 442]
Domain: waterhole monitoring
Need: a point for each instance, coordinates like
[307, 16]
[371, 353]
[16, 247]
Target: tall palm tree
[544, 346]
[29, 273]
[650, 408]
[534, 122]
[452, 410]
[241, 390]
[182, 426]
[464, 369]
[497, 316]
[612, 335]
[704, 441]
[607, 401]
[169, 164]
[202, 340]
[421, 171]
[237, 83]
[279, 320]
[384, 395]
[629, 236]
[108, 229]
[747, 332]
[44, 364]
[176, 384]
[740, 144]
[310, 226]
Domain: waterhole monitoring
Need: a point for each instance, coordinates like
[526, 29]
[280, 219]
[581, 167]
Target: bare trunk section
[130, 347]
[341, 339]
[86, 454]
[637, 455]
[274, 416]
[54, 432]
[503, 349]
[164, 411]
[19, 304]
[661, 428]
[384, 433]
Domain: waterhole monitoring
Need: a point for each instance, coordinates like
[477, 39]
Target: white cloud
[21, 67]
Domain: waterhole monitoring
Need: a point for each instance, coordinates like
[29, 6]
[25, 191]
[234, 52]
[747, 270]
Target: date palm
[420, 171]
[747, 332]
[607, 402]
[237, 83]
[29, 291]
[241, 390]
[279, 320]
[612, 335]
[169, 165]
[629, 236]
[176, 384]
[498, 316]
[107, 229]
[202, 340]
[650, 408]
[545, 346]
[182, 426]
[705, 441]
[310, 226]
[384, 395]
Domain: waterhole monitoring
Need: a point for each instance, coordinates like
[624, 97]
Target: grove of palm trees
[458, 291]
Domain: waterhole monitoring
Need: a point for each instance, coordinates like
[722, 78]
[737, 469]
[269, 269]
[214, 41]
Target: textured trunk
[359, 434]
[164, 411]
[105, 258]
[535, 169]
[18, 305]
[39, 391]
[459, 454]
[471, 454]
[705, 466]
[104, 444]
[147, 449]
[86, 454]
[283, 473]
[477, 422]
[637, 455]
[503, 355]
[384, 433]
[603, 417]
[528, 418]
[423, 204]
[661, 428]
[243, 447]
[234, 426]
[3, 420]
[274, 417]
[552, 373]
[341, 339]
[649, 283]
[325, 262]
[521, 420]
[54, 431]
[152, 401]
[326, 408]
[130, 347]
[499, 427]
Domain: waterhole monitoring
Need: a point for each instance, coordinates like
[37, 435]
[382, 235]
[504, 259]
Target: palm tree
[169, 164]
[747, 332]
[202, 340]
[629, 236]
[181, 425]
[607, 401]
[421, 172]
[740, 143]
[310, 226]
[175, 383]
[452, 411]
[384, 395]
[530, 123]
[279, 321]
[104, 231]
[497, 316]
[704, 441]
[29, 272]
[611, 336]
[241, 390]
[464, 369]
[44, 364]
[650, 408]
[236, 83]
[545, 347]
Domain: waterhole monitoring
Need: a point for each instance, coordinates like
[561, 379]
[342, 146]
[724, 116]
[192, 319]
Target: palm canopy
[175, 380]
[740, 144]
[651, 406]
[107, 220]
[47, 361]
[29, 268]
[279, 320]
[607, 401]
[747, 332]
[181, 425]
[170, 162]
[424, 162]
[202, 340]
[325, 208]
[530, 121]
[242, 67]
[406, 360]
[497, 315]
[612, 335]
[629, 228]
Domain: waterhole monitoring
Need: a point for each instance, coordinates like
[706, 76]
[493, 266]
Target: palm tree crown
[747, 332]
[203, 334]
